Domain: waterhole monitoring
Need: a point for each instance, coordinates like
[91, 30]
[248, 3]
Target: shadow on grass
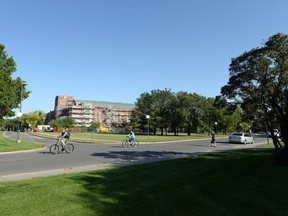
[221, 183]
[129, 155]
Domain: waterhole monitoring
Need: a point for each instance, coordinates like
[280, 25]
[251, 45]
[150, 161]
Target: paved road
[86, 157]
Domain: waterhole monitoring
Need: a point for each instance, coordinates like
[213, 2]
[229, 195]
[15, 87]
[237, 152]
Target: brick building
[109, 114]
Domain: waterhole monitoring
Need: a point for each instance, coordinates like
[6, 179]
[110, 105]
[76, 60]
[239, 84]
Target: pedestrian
[213, 139]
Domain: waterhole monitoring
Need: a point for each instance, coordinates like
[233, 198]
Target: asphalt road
[87, 157]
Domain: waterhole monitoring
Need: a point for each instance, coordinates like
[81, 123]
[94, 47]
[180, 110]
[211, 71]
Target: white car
[240, 137]
[276, 133]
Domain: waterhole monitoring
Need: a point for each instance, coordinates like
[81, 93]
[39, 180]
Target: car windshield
[237, 134]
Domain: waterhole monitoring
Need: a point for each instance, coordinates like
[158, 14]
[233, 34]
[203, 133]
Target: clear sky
[114, 50]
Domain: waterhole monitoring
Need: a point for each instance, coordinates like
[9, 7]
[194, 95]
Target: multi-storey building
[109, 114]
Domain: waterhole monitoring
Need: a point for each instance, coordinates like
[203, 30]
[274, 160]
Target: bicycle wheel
[125, 144]
[54, 149]
[69, 148]
[135, 143]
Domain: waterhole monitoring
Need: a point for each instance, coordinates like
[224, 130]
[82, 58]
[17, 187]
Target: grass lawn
[8, 145]
[219, 184]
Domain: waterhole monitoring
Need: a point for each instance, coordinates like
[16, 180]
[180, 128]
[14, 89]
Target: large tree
[10, 89]
[155, 104]
[258, 84]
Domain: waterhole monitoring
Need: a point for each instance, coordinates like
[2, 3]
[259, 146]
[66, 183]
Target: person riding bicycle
[64, 137]
[131, 137]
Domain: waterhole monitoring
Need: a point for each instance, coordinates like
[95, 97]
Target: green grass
[219, 184]
[8, 145]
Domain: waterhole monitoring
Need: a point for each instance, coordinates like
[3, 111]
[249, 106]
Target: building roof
[109, 105]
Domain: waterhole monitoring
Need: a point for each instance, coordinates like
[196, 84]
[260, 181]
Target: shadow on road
[129, 155]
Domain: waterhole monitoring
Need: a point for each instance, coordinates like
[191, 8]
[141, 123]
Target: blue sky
[114, 50]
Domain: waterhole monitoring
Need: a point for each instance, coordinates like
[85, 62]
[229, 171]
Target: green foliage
[68, 122]
[56, 123]
[258, 84]
[181, 111]
[95, 125]
[62, 123]
[42, 116]
[258, 81]
[10, 89]
[32, 119]
[10, 123]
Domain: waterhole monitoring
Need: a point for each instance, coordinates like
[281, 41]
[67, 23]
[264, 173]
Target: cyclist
[65, 135]
[131, 137]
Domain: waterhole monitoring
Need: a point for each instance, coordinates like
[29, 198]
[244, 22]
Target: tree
[153, 104]
[94, 125]
[160, 100]
[32, 119]
[62, 123]
[42, 116]
[258, 84]
[56, 123]
[68, 122]
[10, 89]
[190, 110]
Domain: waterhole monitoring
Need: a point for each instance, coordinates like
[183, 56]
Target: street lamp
[148, 117]
[216, 127]
[19, 114]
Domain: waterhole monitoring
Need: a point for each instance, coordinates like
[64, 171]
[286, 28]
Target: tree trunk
[281, 152]
[189, 130]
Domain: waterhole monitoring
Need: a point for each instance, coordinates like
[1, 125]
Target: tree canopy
[10, 89]
[181, 112]
[258, 84]
[62, 122]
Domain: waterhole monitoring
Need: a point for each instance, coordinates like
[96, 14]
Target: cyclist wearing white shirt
[131, 137]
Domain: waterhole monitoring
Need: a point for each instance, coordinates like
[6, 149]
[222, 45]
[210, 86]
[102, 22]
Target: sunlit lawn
[220, 184]
[7, 145]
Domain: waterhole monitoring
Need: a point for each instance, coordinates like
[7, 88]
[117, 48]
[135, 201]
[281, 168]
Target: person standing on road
[213, 139]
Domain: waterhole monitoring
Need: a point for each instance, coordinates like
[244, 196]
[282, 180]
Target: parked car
[240, 137]
[276, 133]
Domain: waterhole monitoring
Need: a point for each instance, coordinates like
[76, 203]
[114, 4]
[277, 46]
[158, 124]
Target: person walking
[213, 139]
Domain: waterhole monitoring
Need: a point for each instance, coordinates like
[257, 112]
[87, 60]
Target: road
[87, 157]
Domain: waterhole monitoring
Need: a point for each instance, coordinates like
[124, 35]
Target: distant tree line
[183, 112]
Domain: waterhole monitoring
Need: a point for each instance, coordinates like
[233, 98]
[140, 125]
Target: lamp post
[216, 127]
[148, 117]
[19, 114]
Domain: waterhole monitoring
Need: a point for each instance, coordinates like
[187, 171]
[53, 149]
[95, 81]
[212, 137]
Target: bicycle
[125, 143]
[57, 147]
